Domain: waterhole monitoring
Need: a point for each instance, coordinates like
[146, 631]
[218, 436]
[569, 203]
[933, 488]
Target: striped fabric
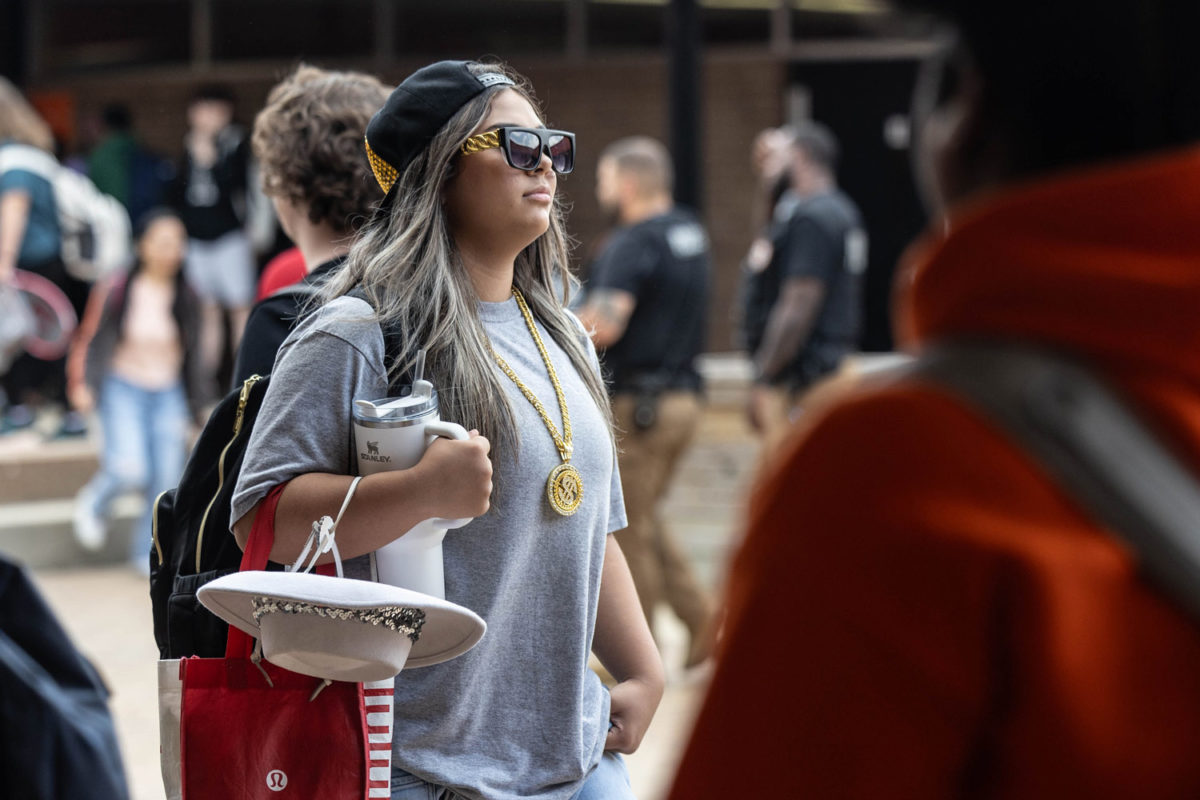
[377, 698]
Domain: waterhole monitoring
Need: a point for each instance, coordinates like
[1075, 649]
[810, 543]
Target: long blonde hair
[19, 122]
[408, 267]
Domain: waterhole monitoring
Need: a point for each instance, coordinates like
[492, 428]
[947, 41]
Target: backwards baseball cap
[416, 110]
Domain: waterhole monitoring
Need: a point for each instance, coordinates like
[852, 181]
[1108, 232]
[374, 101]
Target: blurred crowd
[146, 348]
[146, 345]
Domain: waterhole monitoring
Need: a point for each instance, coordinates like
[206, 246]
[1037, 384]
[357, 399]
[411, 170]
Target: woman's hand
[633, 703]
[458, 474]
[625, 647]
[81, 398]
[757, 402]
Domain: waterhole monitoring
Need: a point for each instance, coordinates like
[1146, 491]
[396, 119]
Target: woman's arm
[302, 437]
[626, 648]
[14, 215]
[452, 480]
[78, 389]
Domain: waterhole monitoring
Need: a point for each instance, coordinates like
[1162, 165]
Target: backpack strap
[299, 289]
[1090, 440]
[393, 347]
[16, 155]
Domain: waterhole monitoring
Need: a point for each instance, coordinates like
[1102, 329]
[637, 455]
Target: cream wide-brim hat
[342, 629]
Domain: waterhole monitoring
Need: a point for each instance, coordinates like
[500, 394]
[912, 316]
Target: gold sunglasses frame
[491, 139]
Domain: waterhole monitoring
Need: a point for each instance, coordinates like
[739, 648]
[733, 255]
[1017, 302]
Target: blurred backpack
[56, 733]
[1091, 441]
[95, 229]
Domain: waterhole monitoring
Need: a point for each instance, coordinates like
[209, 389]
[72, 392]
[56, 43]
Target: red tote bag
[254, 730]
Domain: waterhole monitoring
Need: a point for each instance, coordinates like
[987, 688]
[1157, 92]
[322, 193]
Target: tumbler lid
[420, 403]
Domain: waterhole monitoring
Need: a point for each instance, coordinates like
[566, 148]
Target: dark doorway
[12, 40]
[866, 104]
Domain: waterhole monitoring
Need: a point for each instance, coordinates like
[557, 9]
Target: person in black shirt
[801, 312]
[213, 196]
[308, 141]
[646, 306]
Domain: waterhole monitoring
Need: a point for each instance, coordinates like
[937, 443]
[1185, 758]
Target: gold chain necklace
[564, 487]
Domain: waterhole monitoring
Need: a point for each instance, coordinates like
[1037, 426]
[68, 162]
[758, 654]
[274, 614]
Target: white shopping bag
[170, 704]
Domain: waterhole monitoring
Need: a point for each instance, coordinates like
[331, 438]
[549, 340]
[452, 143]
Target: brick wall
[600, 98]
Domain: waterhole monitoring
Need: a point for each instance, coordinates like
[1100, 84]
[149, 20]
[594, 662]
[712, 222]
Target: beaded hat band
[408, 621]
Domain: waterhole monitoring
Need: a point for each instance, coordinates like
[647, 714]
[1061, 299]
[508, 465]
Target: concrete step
[727, 377]
[40, 533]
[33, 468]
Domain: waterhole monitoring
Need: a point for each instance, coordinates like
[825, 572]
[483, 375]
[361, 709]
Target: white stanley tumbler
[392, 433]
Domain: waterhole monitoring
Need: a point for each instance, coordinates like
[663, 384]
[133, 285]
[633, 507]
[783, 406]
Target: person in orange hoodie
[918, 610]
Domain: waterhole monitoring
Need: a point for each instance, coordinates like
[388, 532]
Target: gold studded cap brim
[385, 173]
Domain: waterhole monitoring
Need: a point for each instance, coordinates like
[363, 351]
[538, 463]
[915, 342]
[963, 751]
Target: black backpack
[192, 543]
[190, 525]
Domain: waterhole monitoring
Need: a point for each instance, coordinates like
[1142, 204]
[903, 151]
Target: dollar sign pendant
[564, 489]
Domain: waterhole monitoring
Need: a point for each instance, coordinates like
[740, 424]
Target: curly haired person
[308, 143]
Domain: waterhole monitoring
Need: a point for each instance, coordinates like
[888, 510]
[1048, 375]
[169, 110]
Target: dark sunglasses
[523, 147]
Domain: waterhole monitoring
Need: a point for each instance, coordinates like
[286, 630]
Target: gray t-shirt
[520, 715]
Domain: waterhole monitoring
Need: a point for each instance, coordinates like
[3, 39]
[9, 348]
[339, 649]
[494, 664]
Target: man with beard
[646, 308]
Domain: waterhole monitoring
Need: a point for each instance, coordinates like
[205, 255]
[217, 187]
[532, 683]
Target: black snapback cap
[416, 110]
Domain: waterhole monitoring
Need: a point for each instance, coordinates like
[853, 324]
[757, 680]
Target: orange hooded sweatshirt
[918, 611]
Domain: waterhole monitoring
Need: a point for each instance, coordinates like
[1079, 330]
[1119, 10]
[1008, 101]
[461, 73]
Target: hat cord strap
[323, 532]
[320, 687]
[256, 660]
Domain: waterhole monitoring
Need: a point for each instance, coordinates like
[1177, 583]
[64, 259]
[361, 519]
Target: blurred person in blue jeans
[134, 361]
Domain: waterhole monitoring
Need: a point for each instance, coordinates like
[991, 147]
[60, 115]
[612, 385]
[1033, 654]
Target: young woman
[467, 260]
[134, 362]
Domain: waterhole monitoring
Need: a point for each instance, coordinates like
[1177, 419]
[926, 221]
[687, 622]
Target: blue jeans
[144, 447]
[608, 781]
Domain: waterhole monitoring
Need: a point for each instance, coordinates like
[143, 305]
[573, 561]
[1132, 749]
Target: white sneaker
[91, 530]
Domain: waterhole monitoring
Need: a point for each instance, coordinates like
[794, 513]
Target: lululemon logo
[276, 780]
